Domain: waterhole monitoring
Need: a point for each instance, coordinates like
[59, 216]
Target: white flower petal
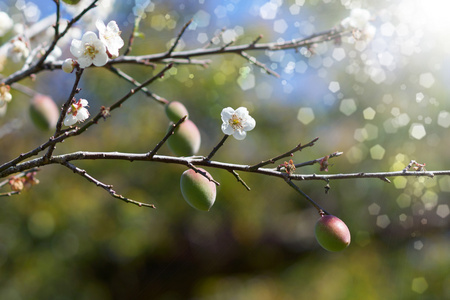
[239, 134]
[84, 102]
[84, 61]
[226, 114]
[69, 120]
[100, 59]
[249, 124]
[100, 26]
[242, 112]
[89, 37]
[76, 48]
[227, 129]
[82, 114]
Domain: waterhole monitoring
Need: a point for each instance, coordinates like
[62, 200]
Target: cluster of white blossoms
[95, 50]
[77, 112]
[359, 20]
[237, 122]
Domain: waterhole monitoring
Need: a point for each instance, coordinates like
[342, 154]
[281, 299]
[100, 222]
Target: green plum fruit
[175, 111]
[197, 190]
[186, 140]
[43, 112]
[332, 233]
[71, 2]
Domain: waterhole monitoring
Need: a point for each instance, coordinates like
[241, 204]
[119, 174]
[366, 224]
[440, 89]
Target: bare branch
[314, 203]
[133, 81]
[166, 137]
[108, 188]
[220, 144]
[239, 179]
[175, 44]
[290, 153]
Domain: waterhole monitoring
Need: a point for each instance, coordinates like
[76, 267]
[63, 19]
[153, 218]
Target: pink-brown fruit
[185, 141]
[332, 233]
[43, 112]
[197, 190]
[175, 111]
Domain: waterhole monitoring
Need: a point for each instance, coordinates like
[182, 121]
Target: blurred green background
[382, 104]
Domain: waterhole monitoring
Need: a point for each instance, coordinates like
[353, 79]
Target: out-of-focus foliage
[382, 106]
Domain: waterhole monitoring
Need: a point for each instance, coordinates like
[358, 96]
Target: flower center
[236, 122]
[90, 50]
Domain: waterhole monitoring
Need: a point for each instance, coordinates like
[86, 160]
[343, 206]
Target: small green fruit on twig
[43, 112]
[175, 111]
[71, 2]
[332, 233]
[186, 139]
[197, 190]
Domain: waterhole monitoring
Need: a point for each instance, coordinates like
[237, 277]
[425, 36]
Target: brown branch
[133, 81]
[108, 188]
[220, 144]
[239, 179]
[166, 137]
[290, 153]
[313, 203]
[177, 39]
[254, 61]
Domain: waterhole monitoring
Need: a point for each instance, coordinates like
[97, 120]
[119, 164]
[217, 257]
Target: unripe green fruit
[43, 112]
[71, 2]
[332, 233]
[175, 111]
[185, 141]
[197, 190]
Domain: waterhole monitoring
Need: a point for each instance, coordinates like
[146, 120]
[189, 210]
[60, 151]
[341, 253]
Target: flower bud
[43, 112]
[332, 233]
[197, 190]
[186, 139]
[68, 65]
[175, 111]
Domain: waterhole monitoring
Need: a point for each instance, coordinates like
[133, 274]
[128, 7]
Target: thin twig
[299, 147]
[133, 81]
[314, 203]
[8, 194]
[175, 44]
[312, 162]
[133, 34]
[106, 187]
[197, 170]
[239, 179]
[166, 137]
[211, 41]
[254, 61]
[220, 144]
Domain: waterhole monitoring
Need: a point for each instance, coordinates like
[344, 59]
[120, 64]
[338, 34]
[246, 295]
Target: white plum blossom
[89, 50]
[359, 20]
[77, 112]
[110, 36]
[6, 23]
[18, 49]
[5, 95]
[237, 122]
[68, 65]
